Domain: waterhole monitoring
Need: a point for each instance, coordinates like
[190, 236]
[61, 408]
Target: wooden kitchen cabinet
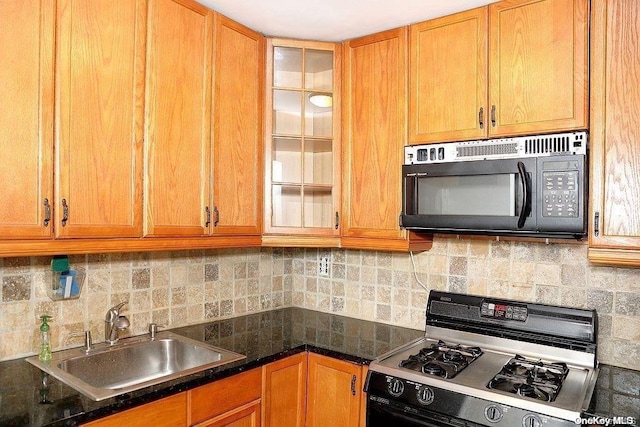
[614, 226]
[448, 78]
[538, 66]
[233, 401]
[168, 412]
[374, 135]
[302, 156]
[238, 89]
[100, 57]
[284, 392]
[334, 392]
[533, 79]
[178, 119]
[26, 118]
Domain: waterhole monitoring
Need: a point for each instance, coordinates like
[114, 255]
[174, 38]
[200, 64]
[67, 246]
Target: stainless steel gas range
[488, 362]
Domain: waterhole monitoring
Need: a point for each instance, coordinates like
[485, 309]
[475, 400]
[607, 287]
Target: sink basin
[133, 363]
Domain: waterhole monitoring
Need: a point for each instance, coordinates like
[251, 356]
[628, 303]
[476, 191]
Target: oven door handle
[526, 195]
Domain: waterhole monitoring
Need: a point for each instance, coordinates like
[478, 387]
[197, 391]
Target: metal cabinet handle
[65, 212]
[493, 116]
[217, 216]
[481, 117]
[207, 222]
[596, 224]
[337, 223]
[47, 212]
[353, 385]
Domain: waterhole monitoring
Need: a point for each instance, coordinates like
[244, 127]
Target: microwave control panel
[560, 194]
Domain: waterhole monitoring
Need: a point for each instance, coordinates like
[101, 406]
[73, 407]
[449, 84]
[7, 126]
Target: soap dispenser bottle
[45, 339]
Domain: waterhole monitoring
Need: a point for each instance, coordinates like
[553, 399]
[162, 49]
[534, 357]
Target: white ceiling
[334, 20]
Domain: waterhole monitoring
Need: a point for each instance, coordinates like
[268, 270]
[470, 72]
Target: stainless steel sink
[133, 363]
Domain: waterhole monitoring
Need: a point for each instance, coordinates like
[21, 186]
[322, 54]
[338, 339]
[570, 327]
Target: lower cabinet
[334, 392]
[233, 401]
[168, 412]
[305, 389]
[284, 392]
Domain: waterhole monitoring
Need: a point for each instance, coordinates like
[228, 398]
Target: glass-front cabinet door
[303, 136]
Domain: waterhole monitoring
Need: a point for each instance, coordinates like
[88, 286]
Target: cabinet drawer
[222, 396]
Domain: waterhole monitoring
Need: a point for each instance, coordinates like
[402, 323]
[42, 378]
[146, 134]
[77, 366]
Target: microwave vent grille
[548, 144]
[487, 150]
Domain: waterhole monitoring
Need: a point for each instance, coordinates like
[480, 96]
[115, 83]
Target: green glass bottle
[45, 341]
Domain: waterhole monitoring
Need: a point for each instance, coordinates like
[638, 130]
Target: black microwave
[531, 186]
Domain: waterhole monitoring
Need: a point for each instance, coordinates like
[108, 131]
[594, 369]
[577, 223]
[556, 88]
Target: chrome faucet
[113, 323]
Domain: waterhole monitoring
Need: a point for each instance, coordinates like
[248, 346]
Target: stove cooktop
[483, 366]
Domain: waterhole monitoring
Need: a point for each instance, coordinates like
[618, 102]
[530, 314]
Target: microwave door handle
[526, 191]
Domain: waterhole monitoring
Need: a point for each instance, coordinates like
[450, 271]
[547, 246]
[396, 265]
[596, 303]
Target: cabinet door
[178, 118]
[303, 147]
[168, 412]
[284, 391]
[237, 129]
[538, 66]
[614, 232]
[374, 136]
[26, 118]
[334, 389]
[100, 100]
[448, 78]
[245, 416]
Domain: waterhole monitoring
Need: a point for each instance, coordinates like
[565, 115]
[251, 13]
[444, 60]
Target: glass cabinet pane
[287, 67]
[318, 120]
[318, 208]
[287, 160]
[287, 112]
[318, 161]
[287, 206]
[318, 69]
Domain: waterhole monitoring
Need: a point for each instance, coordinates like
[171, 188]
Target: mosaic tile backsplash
[181, 288]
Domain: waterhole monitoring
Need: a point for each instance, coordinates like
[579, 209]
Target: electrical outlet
[323, 266]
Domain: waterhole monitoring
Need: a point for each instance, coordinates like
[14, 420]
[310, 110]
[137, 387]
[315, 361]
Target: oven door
[475, 197]
[386, 414]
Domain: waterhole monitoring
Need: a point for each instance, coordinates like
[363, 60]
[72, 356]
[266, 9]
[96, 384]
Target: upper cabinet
[535, 79]
[448, 78]
[614, 229]
[238, 88]
[303, 138]
[99, 109]
[178, 119]
[26, 119]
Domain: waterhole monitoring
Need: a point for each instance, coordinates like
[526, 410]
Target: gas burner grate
[530, 378]
[442, 359]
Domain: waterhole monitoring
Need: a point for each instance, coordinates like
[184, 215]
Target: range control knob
[424, 395]
[493, 413]
[531, 420]
[395, 387]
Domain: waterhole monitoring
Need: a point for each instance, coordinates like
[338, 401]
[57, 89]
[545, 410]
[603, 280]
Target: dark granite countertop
[30, 398]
